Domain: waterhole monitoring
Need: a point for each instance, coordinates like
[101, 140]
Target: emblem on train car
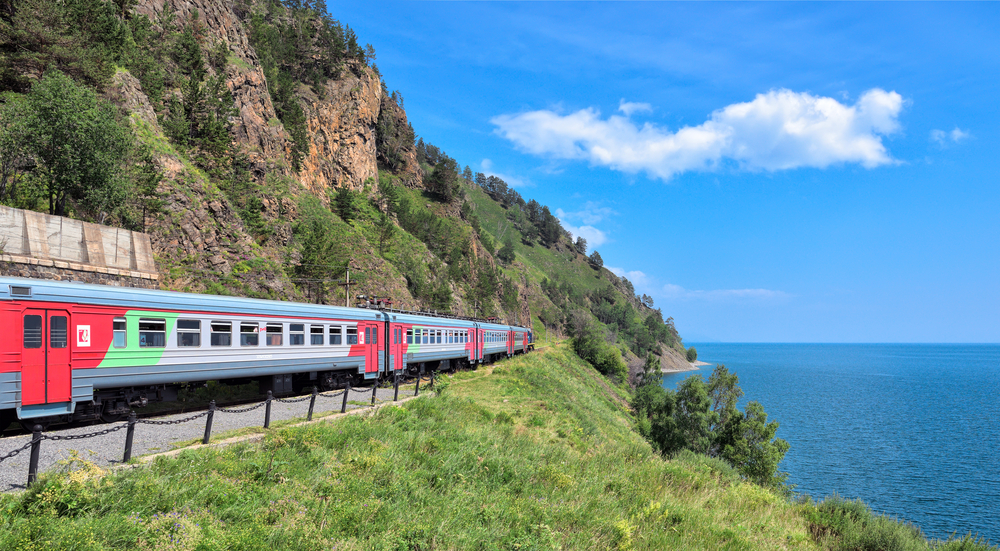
[83, 335]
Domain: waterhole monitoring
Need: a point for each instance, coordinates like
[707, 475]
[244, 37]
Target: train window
[447, 337]
[439, 336]
[296, 334]
[374, 335]
[409, 336]
[152, 333]
[368, 335]
[222, 333]
[32, 331]
[352, 335]
[188, 333]
[249, 334]
[118, 332]
[425, 336]
[58, 332]
[335, 334]
[316, 334]
[274, 331]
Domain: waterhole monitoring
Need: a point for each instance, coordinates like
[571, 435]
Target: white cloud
[645, 284]
[944, 139]
[638, 278]
[513, 181]
[591, 213]
[594, 236]
[629, 107]
[778, 130]
[671, 291]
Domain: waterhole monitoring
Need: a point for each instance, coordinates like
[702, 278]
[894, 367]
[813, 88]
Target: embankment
[533, 453]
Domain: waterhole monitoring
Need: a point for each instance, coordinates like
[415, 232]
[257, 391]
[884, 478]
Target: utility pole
[347, 295]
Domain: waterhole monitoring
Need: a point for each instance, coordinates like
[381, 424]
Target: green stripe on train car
[133, 354]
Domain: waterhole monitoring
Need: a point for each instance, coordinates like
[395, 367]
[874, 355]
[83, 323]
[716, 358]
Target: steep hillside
[277, 161]
[536, 453]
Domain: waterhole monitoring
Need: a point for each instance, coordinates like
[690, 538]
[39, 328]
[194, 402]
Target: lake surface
[913, 430]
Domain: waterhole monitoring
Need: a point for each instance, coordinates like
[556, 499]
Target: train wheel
[113, 417]
[29, 424]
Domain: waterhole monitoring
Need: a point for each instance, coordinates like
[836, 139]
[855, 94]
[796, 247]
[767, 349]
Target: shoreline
[692, 367]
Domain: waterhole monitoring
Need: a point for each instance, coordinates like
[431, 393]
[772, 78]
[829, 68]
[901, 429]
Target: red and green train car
[74, 352]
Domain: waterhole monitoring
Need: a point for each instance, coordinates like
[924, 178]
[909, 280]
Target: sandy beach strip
[691, 367]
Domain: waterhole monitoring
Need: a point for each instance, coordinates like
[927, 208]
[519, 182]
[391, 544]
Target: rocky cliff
[201, 241]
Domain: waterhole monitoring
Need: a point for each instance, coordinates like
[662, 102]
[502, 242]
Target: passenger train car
[73, 352]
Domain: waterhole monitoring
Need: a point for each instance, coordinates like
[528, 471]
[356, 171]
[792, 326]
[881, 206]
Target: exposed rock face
[342, 132]
[399, 140]
[256, 129]
[126, 91]
[200, 240]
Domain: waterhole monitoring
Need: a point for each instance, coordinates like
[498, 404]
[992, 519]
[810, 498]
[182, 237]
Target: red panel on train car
[59, 376]
[396, 346]
[372, 346]
[46, 375]
[33, 357]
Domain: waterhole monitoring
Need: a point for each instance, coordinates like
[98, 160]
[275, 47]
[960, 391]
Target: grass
[540, 261]
[534, 453]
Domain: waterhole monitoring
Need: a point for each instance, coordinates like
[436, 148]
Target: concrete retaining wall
[52, 247]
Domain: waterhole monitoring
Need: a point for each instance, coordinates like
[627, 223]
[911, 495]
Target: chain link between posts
[13, 453]
[175, 422]
[241, 410]
[82, 436]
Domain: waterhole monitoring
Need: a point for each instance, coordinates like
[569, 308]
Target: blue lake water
[913, 430]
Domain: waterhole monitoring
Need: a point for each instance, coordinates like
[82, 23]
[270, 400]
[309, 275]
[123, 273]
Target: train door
[46, 376]
[510, 343]
[477, 353]
[395, 346]
[369, 332]
[470, 344]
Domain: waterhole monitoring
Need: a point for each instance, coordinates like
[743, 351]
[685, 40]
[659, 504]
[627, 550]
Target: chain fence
[37, 434]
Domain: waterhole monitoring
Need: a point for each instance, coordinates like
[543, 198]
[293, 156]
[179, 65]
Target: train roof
[152, 299]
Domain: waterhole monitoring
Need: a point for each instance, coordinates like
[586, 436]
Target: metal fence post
[267, 411]
[374, 391]
[395, 386]
[36, 444]
[431, 385]
[128, 437]
[343, 408]
[420, 374]
[208, 422]
[312, 404]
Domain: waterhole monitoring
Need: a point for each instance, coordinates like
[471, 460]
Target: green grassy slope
[535, 453]
[540, 261]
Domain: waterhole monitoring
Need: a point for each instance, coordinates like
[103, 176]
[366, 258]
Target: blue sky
[774, 172]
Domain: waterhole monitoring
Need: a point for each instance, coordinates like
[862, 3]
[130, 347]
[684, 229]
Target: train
[81, 352]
